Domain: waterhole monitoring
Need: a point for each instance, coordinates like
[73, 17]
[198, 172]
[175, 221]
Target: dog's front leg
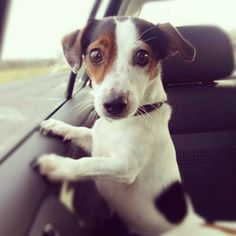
[58, 168]
[80, 136]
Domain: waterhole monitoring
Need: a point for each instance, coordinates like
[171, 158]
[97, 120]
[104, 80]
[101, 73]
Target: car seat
[203, 123]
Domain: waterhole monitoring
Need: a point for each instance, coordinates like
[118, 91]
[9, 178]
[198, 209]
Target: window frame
[4, 7]
[18, 179]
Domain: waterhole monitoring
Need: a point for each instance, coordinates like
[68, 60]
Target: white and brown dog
[133, 158]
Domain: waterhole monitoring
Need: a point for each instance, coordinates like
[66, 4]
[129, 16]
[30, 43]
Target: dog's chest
[135, 140]
[115, 139]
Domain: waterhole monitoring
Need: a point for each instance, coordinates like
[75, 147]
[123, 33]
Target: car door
[34, 87]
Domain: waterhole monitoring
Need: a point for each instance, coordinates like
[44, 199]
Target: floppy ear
[71, 44]
[177, 43]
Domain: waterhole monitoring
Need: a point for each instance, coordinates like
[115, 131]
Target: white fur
[124, 78]
[133, 158]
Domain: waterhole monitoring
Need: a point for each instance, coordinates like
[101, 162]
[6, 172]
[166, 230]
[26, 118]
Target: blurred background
[33, 72]
[34, 29]
[33, 32]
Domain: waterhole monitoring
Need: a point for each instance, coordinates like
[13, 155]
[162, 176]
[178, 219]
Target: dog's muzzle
[115, 105]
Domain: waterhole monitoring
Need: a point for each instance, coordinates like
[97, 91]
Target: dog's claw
[35, 165]
[55, 168]
[51, 127]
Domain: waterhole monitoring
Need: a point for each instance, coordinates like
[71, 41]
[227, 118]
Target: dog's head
[122, 57]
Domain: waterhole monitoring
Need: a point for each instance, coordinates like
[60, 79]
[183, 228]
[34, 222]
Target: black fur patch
[172, 203]
[148, 32]
[94, 29]
[154, 36]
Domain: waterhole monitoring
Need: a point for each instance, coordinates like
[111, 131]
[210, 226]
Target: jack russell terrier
[133, 159]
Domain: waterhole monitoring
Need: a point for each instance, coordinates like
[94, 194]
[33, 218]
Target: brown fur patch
[106, 44]
[152, 69]
[226, 230]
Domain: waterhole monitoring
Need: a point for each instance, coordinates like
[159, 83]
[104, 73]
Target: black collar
[149, 108]
[143, 110]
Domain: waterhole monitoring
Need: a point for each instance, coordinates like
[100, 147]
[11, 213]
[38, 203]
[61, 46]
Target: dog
[133, 159]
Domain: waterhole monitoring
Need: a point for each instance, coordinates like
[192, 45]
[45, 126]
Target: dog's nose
[115, 105]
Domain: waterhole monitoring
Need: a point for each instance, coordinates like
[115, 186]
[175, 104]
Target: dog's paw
[56, 168]
[53, 127]
[72, 136]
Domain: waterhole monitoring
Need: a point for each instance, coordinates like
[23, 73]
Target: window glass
[33, 72]
[193, 12]
[102, 9]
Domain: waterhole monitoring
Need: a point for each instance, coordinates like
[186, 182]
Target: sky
[36, 27]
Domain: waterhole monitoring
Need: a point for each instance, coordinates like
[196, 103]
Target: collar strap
[149, 108]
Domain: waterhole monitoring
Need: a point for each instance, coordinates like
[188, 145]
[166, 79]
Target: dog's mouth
[117, 117]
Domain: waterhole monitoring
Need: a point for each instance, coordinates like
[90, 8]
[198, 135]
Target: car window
[33, 72]
[191, 12]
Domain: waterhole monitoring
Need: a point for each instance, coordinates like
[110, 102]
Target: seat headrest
[214, 57]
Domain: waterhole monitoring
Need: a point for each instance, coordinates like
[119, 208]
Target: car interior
[202, 95]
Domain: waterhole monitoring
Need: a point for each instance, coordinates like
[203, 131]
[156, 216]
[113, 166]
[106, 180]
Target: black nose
[115, 105]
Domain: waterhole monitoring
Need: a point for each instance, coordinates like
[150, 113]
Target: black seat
[203, 124]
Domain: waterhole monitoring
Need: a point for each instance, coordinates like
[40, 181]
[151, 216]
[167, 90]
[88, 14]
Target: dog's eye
[141, 57]
[95, 56]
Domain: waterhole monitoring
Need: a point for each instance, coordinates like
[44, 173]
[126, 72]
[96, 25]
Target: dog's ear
[72, 48]
[177, 43]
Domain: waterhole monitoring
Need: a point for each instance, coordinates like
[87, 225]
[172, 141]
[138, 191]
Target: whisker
[154, 106]
[84, 108]
[89, 118]
[142, 113]
[150, 38]
[92, 117]
[147, 115]
[145, 31]
[87, 102]
[96, 116]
